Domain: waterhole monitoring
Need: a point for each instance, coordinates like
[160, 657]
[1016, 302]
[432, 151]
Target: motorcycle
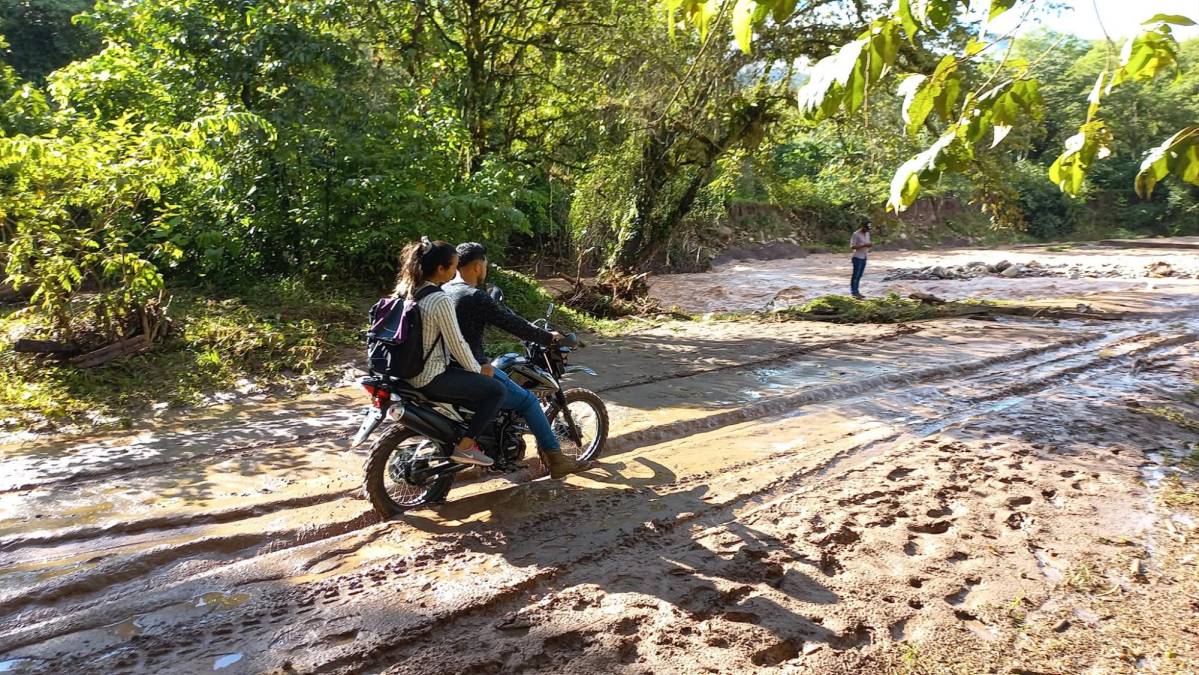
[409, 466]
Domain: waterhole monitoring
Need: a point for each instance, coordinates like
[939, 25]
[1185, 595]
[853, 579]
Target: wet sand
[984, 495]
[756, 285]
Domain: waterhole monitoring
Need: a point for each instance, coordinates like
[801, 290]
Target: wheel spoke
[400, 467]
[586, 422]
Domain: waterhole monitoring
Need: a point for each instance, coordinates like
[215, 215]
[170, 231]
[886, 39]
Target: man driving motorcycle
[475, 310]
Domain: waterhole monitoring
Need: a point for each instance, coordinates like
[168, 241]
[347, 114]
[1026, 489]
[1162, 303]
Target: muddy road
[1004, 494]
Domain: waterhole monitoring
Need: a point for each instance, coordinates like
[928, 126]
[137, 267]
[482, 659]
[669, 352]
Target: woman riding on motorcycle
[424, 266]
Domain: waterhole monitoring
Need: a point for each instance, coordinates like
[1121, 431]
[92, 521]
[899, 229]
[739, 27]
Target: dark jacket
[476, 309]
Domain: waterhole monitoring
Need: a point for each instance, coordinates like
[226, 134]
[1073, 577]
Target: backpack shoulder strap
[426, 291]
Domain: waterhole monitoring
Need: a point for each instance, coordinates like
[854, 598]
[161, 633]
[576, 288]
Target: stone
[1160, 269]
[1011, 271]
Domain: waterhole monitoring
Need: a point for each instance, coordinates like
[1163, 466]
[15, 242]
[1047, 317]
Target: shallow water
[766, 284]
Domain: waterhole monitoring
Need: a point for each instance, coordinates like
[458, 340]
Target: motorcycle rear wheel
[389, 467]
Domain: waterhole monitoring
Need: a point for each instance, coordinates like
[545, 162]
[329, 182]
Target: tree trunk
[648, 234]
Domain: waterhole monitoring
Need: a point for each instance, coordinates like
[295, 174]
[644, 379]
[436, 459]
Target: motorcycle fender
[428, 423]
[370, 422]
[580, 369]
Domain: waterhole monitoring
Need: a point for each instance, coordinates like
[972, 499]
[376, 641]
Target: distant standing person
[860, 243]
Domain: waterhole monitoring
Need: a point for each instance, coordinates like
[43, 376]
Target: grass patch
[279, 335]
[890, 308]
[523, 295]
[1173, 416]
[272, 333]
[1085, 578]
[1175, 493]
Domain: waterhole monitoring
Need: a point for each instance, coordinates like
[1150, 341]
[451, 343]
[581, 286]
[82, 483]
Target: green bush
[272, 331]
[523, 295]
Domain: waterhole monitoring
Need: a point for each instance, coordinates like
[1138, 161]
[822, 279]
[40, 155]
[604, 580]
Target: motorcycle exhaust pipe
[429, 424]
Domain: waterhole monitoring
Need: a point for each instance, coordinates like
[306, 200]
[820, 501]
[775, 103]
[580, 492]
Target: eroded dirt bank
[1012, 495]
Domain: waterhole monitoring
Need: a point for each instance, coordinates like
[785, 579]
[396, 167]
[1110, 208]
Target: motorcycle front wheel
[398, 472]
[589, 418]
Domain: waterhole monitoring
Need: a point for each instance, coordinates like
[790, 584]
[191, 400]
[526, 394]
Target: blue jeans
[859, 268]
[524, 402]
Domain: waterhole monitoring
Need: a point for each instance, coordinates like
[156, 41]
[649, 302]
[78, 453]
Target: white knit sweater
[438, 319]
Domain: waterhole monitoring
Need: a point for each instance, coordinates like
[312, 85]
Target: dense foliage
[177, 143]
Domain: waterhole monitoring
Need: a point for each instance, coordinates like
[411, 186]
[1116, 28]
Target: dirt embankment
[1010, 495]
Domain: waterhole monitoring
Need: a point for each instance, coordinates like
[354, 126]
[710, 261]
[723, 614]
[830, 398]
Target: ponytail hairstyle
[418, 261]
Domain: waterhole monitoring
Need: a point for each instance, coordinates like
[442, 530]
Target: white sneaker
[472, 455]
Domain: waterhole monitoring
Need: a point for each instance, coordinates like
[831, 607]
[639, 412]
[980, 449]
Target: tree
[43, 37]
[843, 81]
[685, 108]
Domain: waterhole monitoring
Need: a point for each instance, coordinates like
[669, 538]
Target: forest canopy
[182, 142]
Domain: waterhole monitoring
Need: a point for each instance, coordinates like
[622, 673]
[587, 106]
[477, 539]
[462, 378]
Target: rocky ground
[1004, 495]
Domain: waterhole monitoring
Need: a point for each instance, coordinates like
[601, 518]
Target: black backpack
[394, 343]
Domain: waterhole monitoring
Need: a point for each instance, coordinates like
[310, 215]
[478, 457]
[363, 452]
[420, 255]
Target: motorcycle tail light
[378, 394]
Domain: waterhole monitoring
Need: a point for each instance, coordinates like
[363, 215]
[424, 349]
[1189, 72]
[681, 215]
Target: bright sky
[1121, 18]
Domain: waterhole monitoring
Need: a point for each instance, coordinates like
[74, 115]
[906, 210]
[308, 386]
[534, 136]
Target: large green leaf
[917, 101]
[935, 14]
[999, 109]
[1096, 96]
[1176, 19]
[1178, 156]
[822, 94]
[908, 19]
[743, 25]
[947, 154]
[1147, 54]
[1092, 142]
[998, 7]
[842, 79]
[923, 95]
[782, 9]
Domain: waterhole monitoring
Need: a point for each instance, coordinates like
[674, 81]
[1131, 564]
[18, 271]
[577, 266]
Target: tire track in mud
[617, 445]
[248, 546]
[647, 534]
[173, 522]
[351, 423]
[785, 355]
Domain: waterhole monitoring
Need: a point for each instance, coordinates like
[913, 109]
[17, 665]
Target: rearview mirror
[496, 294]
[549, 312]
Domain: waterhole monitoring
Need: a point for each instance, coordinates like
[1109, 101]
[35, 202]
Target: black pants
[480, 393]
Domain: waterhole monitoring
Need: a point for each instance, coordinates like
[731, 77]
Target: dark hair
[470, 252]
[418, 260]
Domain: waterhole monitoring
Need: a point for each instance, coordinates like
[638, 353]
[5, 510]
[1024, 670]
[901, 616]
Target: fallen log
[46, 347]
[126, 347]
[927, 298]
